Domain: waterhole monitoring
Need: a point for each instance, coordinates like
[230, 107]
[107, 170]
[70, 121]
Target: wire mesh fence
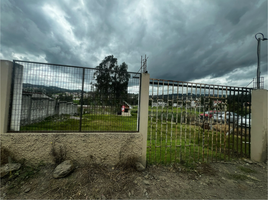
[51, 97]
[197, 122]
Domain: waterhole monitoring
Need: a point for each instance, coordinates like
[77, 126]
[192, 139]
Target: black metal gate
[197, 122]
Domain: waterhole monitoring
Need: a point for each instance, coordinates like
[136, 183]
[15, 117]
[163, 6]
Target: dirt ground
[233, 180]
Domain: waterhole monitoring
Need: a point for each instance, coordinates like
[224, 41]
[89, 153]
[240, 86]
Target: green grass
[237, 177]
[246, 170]
[183, 142]
[167, 142]
[90, 122]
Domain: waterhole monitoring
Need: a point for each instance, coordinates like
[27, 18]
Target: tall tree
[111, 79]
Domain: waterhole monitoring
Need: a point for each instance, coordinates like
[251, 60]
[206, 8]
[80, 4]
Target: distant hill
[175, 96]
[46, 89]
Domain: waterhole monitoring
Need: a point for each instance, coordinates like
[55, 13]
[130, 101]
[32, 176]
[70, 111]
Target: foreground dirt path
[234, 180]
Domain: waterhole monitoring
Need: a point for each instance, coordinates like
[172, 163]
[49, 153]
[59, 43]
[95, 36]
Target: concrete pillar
[259, 119]
[17, 98]
[144, 102]
[5, 80]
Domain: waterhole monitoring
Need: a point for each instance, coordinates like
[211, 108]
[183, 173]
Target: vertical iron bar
[200, 105]
[181, 123]
[195, 118]
[212, 132]
[81, 103]
[225, 108]
[156, 128]
[236, 121]
[249, 134]
[177, 115]
[233, 109]
[172, 118]
[203, 139]
[241, 122]
[185, 132]
[190, 122]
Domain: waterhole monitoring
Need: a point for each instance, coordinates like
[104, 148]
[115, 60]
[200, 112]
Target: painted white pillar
[259, 119]
[17, 98]
[5, 86]
[144, 103]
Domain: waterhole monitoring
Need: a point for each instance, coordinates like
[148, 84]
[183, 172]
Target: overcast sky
[206, 41]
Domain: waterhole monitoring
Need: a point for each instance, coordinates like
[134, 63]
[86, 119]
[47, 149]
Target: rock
[139, 167]
[9, 167]
[63, 169]
[247, 161]
[261, 164]
[27, 189]
[253, 178]
[146, 182]
[250, 183]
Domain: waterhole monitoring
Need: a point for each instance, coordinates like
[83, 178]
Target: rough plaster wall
[106, 148]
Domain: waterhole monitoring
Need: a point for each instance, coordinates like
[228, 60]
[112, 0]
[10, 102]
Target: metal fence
[197, 122]
[51, 97]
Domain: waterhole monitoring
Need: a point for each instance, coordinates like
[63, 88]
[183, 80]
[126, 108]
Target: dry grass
[114, 181]
[225, 127]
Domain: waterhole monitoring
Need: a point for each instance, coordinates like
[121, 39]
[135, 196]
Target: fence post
[81, 99]
[144, 101]
[16, 97]
[6, 77]
[259, 125]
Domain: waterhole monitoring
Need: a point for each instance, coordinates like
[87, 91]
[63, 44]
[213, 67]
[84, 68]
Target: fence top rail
[62, 65]
[196, 85]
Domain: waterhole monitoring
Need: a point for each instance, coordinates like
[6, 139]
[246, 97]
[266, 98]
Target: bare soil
[232, 180]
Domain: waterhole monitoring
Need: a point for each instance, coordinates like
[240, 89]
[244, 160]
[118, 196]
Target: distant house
[126, 109]
[215, 103]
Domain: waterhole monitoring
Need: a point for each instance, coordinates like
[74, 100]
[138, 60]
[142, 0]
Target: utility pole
[259, 57]
[144, 64]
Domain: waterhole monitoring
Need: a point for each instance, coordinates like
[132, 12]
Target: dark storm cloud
[185, 40]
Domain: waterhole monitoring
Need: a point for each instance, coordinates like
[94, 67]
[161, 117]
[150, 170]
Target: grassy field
[167, 142]
[182, 143]
[90, 122]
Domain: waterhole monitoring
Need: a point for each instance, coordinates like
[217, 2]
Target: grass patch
[246, 170]
[170, 142]
[90, 122]
[237, 177]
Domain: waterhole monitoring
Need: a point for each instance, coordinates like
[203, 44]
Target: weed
[246, 170]
[127, 163]
[5, 155]
[59, 155]
[240, 177]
